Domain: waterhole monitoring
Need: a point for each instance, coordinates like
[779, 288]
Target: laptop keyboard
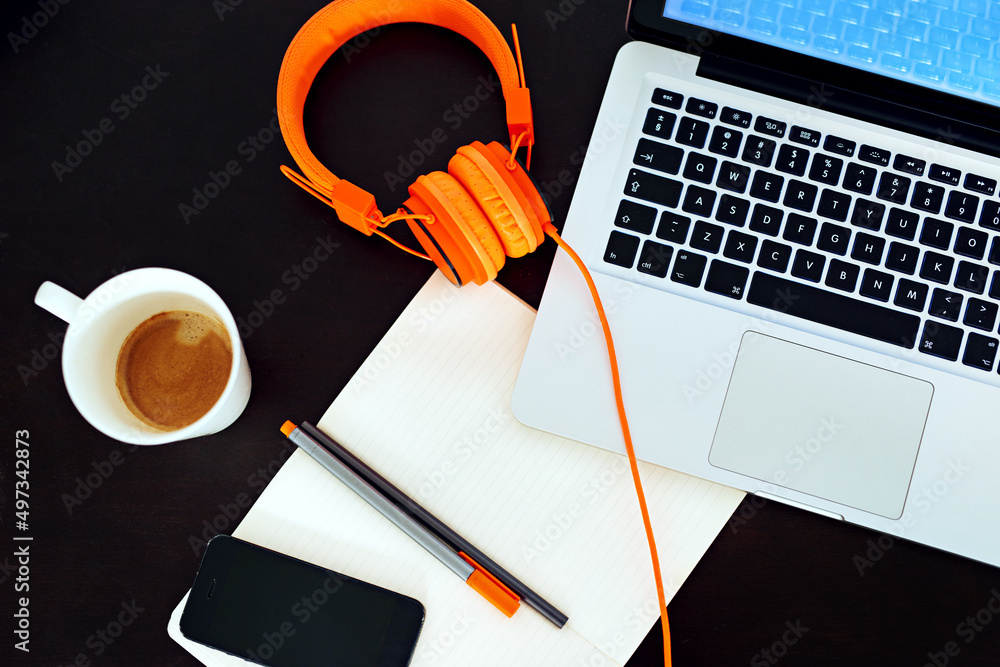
[835, 230]
[951, 45]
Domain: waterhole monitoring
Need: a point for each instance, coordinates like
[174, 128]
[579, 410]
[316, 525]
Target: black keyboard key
[702, 108]
[688, 268]
[732, 210]
[826, 169]
[808, 265]
[994, 257]
[700, 168]
[937, 268]
[621, 249]
[940, 340]
[727, 279]
[661, 157]
[946, 305]
[792, 160]
[936, 233]
[911, 295]
[980, 184]
[868, 214]
[800, 196]
[766, 219]
[902, 224]
[635, 217]
[659, 190]
[740, 246]
[877, 156]
[725, 141]
[733, 177]
[834, 205]
[832, 309]
[673, 227]
[990, 217]
[707, 237]
[839, 146]
[774, 256]
[980, 314]
[876, 285]
[995, 286]
[735, 117]
[769, 126]
[971, 277]
[961, 206]
[859, 178]
[834, 238]
[759, 151]
[868, 248]
[902, 258]
[667, 98]
[909, 165]
[698, 201]
[980, 352]
[927, 197]
[766, 186]
[893, 188]
[655, 259]
[842, 275]
[692, 132]
[943, 174]
[803, 135]
[659, 123]
[971, 242]
[800, 229]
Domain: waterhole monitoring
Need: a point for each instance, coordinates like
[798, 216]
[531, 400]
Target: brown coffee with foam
[173, 368]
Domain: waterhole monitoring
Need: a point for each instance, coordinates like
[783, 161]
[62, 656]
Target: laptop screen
[949, 45]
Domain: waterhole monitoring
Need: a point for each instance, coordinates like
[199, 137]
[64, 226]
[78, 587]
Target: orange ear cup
[483, 213]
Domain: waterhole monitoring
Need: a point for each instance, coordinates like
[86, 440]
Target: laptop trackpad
[821, 424]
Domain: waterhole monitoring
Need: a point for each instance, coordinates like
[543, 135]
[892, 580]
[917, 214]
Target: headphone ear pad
[460, 234]
[495, 191]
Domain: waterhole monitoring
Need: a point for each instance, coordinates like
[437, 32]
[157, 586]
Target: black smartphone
[273, 609]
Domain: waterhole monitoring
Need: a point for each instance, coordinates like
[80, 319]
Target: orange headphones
[468, 220]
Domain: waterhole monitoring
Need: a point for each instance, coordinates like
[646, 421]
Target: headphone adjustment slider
[355, 207]
[520, 122]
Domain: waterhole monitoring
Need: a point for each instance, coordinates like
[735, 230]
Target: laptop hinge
[902, 106]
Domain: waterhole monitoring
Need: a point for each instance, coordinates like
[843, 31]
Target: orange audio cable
[552, 232]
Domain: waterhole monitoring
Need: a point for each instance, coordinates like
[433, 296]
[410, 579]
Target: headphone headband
[332, 27]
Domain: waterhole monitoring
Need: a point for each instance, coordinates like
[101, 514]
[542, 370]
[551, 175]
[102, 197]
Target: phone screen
[277, 610]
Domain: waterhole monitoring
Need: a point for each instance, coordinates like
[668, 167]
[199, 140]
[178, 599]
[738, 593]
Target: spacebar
[835, 310]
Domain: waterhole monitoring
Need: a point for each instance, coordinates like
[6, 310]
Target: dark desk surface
[187, 88]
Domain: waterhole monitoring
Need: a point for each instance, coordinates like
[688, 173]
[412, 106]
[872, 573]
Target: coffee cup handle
[59, 301]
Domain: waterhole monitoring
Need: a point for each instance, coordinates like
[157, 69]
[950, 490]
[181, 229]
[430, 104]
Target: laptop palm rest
[821, 424]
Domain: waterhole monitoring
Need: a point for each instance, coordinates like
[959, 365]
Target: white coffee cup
[98, 327]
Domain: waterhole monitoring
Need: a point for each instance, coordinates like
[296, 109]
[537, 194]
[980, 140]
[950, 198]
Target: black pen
[443, 532]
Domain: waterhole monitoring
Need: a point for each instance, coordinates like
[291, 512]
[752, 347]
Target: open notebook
[430, 410]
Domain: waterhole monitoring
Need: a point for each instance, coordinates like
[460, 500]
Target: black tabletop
[144, 134]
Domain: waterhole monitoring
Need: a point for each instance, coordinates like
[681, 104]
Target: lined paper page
[430, 410]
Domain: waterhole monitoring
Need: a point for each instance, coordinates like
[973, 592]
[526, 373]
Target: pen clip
[491, 588]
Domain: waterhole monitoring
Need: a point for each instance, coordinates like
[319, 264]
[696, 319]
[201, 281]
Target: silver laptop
[791, 211]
